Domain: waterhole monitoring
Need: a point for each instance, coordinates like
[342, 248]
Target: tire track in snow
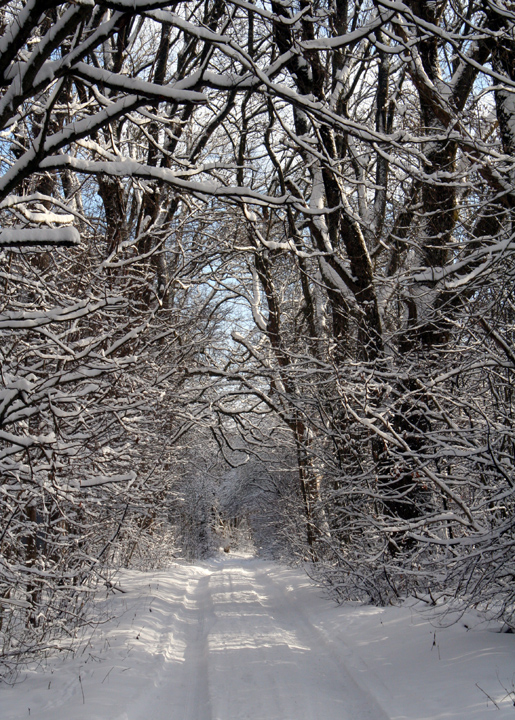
[245, 684]
[178, 667]
[325, 652]
[268, 662]
[196, 655]
[232, 641]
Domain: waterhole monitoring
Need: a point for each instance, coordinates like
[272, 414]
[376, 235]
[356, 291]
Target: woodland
[257, 261]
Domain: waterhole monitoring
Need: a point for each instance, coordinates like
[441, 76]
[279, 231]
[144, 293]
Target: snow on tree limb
[178, 92]
[48, 237]
[129, 168]
[106, 479]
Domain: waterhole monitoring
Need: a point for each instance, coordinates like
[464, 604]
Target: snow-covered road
[236, 637]
[250, 652]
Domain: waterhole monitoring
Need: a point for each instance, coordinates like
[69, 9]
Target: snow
[105, 479]
[131, 168]
[255, 301]
[10, 33]
[236, 637]
[339, 41]
[178, 92]
[21, 237]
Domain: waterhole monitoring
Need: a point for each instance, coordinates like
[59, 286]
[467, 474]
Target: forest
[257, 262]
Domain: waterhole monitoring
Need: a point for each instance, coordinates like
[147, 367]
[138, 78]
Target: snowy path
[251, 653]
[237, 638]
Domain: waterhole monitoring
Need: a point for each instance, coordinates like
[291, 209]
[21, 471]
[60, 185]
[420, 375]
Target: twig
[488, 696]
[110, 671]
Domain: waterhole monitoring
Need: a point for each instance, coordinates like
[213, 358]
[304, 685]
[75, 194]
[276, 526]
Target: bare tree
[221, 213]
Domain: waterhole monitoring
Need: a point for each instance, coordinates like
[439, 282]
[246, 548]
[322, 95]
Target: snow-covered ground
[237, 637]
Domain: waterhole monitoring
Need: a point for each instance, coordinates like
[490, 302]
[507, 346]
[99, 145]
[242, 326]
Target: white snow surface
[236, 637]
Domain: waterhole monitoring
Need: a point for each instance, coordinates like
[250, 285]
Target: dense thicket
[257, 263]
